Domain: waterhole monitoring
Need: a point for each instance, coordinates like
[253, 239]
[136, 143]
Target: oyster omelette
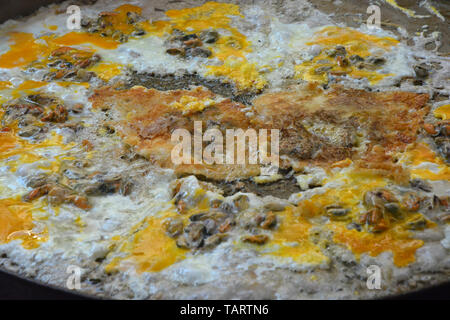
[86, 178]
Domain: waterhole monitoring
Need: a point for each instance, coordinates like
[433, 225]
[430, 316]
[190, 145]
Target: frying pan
[14, 286]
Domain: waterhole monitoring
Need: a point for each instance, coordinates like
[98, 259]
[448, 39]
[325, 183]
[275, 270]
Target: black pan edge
[12, 9]
[14, 286]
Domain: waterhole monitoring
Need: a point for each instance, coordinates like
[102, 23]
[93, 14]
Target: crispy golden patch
[326, 126]
[316, 126]
[149, 116]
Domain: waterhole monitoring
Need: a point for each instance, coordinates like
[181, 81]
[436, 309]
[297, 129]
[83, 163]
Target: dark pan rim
[439, 291]
[52, 290]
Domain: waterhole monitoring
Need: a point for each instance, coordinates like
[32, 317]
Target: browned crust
[152, 122]
[316, 126]
[386, 121]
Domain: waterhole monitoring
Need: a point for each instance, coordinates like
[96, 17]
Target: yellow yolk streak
[355, 43]
[106, 70]
[230, 49]
[119, 20]
[292, 239]
[5, 85]
[157, 28]
[66, 84]
[27, 87]
[23, 50]
[30, 84]
[350, 195]
[421, 153]
[433, 10]
[442, 112]
[244, 74]
[395, 240]
[355, 184]
[150, 250]
[210, 15]
[12, 145]
[408, 12]
[190, 104]
[153, 250]
[16, 223]
[293, 234]
[76, 38]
